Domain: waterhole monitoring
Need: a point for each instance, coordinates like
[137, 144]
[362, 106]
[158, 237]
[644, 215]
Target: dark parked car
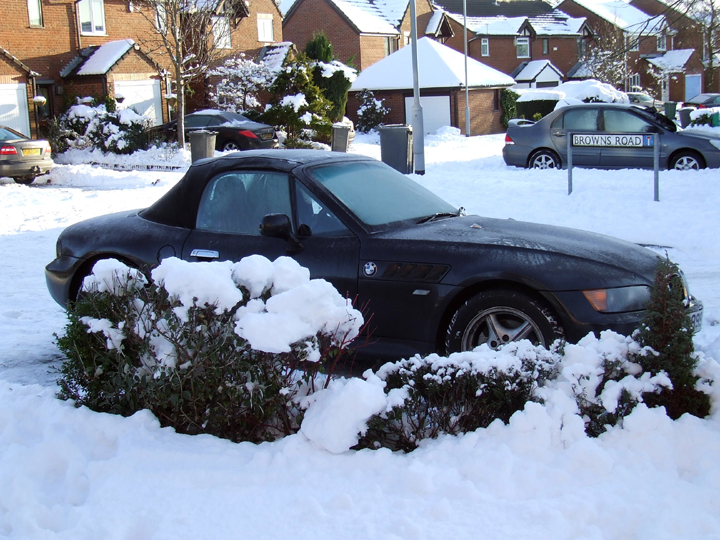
[433, 278]
[22, 158]
[703, 101]
[234, 131]
[607, 136]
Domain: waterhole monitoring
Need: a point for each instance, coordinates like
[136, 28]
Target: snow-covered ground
[71, 473]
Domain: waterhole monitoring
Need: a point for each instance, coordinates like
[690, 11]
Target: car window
[377, 194]
[624, 122]
[580, 120]
[236, 202]
[195, 121]
[215, 121]
[315, 215]
[9, 135]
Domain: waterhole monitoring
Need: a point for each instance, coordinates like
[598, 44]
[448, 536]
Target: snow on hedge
[574, 92]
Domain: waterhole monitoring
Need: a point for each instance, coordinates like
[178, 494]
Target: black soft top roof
[178, 207]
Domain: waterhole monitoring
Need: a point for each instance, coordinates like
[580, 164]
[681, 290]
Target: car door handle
[205, 254]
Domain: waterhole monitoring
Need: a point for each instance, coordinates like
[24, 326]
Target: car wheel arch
[686, 152]
[86, 267]
[541, 150]
[477, 288]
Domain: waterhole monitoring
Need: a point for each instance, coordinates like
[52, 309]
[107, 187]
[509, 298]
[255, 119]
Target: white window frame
[546, 46]
[265, 28]
[96, 10]
[581, 48]
[525, 43]
[221, 32]
[484, 46]
[662, 42]
[161, 18]
[633, 82]
[35, 10]
[406, 36]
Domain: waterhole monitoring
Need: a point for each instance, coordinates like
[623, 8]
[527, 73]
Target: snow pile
[577, 92]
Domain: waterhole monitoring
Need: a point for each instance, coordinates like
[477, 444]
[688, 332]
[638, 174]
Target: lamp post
[467, 93]
[417, 114]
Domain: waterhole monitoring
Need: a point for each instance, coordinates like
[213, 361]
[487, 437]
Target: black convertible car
[433, 278]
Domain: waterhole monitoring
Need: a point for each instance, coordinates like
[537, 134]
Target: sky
[72, 473]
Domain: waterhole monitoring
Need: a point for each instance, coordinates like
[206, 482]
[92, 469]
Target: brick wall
[562, 51]
[312, 15]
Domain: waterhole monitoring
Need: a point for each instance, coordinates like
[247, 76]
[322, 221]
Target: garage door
[14, 107]
[143, 97]
[436, 112]
[693, 86]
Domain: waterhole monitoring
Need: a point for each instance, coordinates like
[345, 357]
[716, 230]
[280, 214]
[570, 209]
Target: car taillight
[701, 106]
[247, 133]
[8, 151]
[508, 140]
[48, 150]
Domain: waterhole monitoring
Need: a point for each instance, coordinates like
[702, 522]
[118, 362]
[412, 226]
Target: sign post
[569, 164]
[656, 165]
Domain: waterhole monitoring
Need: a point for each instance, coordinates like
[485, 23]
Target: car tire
[231, 146]
[544, 159]
[687, 161]
[24, 180]
[496, 317]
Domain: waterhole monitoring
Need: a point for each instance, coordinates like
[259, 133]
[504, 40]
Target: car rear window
[10, 135]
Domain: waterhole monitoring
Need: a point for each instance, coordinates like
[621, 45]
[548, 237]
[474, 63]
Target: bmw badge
[370, 269]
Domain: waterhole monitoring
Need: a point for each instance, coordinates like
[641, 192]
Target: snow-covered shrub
[119, 131]
[298, 106]
[332, 76]
[207, 347]
[372, 111]
[239, 81]
[667, 330]
[435, 395]
[703, 117]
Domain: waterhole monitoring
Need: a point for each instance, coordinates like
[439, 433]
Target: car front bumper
[58, 275]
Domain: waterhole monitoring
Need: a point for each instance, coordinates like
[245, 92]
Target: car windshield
[379, 195]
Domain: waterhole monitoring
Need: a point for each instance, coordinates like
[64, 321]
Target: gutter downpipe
[417, 114]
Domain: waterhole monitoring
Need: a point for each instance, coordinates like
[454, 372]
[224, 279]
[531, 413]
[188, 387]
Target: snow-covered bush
[437, 395]
[106, 128]
[372, 111]
[239, 81]
[332, 76]
[207, 347]
[703, 117]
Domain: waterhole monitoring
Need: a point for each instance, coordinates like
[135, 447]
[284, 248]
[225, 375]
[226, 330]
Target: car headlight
[715, 143]
[619, 299]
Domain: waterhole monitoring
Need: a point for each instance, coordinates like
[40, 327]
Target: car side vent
[415, 272]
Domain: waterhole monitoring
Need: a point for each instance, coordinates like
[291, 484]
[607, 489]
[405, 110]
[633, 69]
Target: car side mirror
[278, 226]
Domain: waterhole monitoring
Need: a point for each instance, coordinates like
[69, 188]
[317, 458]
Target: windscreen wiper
[440, 215]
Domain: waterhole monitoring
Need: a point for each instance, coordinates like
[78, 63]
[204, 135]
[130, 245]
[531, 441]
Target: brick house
[442, 89]
[647, 44]
[54, 50]
[362, 32]
[509, 35]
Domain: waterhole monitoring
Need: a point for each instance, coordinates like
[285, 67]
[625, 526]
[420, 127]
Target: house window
[92, 16]
[496, 99]
[265, 27]
[634, 83]
[221, 32]
[633, 43]
[390, 45]
[523, 47]
[661, 43]
[407, 38]
[35, 13]
[581, 48]
[485, 47]
[546, 46]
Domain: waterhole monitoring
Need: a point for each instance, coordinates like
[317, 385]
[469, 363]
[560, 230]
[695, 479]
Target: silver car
[607, 136]
[22, 158]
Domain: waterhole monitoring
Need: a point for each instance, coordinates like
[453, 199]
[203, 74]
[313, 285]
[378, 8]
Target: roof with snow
[492, 26]
[439, 66]
[367, 16]
[672, 61]
[555, 23]
[494, 8]
[98, 60]
[625, 16]
[529, 71]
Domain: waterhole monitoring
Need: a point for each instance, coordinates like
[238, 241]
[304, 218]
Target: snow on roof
[625, 16]
[439, 67]
[534, 68]
[434, 23]
[491, 26]
[105, 57]
[368, 16]
[672, 61]
[557, 23]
